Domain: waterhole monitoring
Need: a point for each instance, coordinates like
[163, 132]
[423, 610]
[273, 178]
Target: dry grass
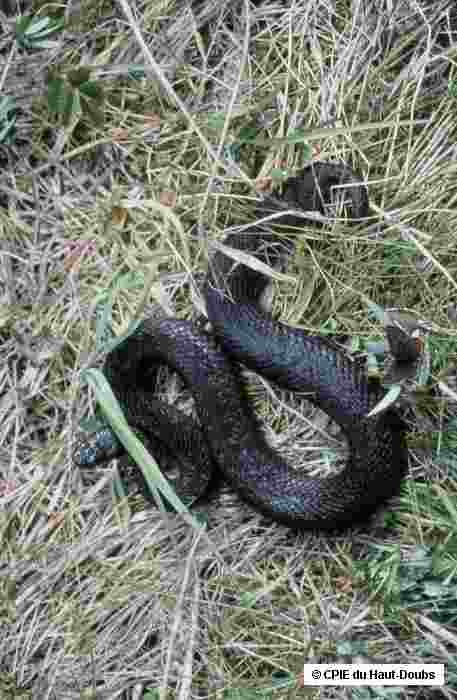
[99, 600]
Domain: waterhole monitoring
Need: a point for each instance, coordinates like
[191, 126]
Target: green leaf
[106, 341]
[136, 72]
[41, 44]
[348, 647]
[388, 400]
[296, 136]
[8, 132]
[133, 279]
[216, 120]
[7, 105]
[73, 105]
[435, 589]
[283, 679]
[112, 411]
[375, 311]
[7, 119]
[232, 152]
[92, 90]
[31, 32]
[38, 25]
[248, 134]
[58, 95]
[153, 694]
[248, 599]
[452, 89]
[279, 174]
[91, 424]
[103, 327]
[23, 41]
[22, 23]
[69, 107]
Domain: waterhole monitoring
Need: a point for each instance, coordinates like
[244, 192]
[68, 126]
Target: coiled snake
[230, 436]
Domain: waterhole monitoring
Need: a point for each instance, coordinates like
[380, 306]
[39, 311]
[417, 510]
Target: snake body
[230, 435]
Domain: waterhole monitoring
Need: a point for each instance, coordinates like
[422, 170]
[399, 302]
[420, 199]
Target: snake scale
[229, 435]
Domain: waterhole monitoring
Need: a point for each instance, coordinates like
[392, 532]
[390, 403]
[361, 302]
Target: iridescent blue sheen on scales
[289, 357]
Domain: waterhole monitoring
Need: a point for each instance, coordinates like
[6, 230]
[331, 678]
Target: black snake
[230, 436]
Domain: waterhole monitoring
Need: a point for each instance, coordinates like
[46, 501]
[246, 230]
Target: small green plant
[422, 582]
[33, 32]
[452, 88]
[250, 134]
[7, 119]
[73, 94]
[136, 72]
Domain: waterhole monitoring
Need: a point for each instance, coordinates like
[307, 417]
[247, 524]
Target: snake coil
[230, 436]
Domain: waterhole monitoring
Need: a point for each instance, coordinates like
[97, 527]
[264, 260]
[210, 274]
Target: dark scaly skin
[290, 358]
[153, 421]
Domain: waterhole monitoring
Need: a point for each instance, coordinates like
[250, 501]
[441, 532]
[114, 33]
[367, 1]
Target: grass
[104, 223]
